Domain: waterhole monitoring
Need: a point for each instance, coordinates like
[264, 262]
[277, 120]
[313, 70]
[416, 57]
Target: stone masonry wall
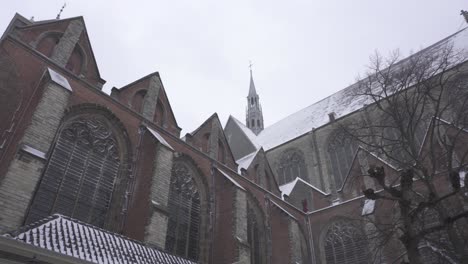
[17, 188]
[151, 97]
[155, 233]
[240, 226]
[66, 45]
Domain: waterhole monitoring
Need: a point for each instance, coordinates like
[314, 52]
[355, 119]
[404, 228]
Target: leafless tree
[416, 121]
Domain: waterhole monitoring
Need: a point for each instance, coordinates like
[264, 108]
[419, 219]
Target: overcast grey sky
[302, 51]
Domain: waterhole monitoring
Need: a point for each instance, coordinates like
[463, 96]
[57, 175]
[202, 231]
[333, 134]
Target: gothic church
[88, 177]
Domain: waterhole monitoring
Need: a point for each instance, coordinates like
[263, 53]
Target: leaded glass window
[184, 213]
[81, 173]
[291, 166]
[345, 243]
[341, 150]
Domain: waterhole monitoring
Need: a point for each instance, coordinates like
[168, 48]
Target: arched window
[137, 101]
[81, 175]
[183, 231]
[341, 149]
[206, 143]
[75, 62]
[258, 122]
[291, 166]
[160, 114]
[253, 123]
[47, 42]
[255, 233]
[221, 152]
[345, 243]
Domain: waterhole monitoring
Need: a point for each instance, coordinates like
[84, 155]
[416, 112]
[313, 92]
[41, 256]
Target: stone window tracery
[345, 243]
[184, 214]
[81, 174]
[291, 166]
[341, 150]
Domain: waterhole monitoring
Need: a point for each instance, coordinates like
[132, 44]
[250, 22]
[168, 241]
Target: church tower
[254, 116]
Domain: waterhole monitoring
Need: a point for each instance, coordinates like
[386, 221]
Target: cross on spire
[61, 10]
[250, 66]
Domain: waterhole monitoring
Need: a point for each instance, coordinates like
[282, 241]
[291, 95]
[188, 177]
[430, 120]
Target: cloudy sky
[302, 51]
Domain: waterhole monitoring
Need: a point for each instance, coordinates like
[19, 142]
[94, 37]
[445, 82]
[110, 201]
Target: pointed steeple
[252, 91]
[254, 115]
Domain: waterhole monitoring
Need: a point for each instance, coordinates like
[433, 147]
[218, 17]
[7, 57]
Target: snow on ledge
[231, 179]
[159, 138]
[33, 151]
[287, 188]
[368, 208]
[59, 79]
[282, 209]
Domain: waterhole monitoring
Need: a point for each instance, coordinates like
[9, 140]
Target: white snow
[59, 79]
[90, 243]
[287, 188]
[231, 179]
[159, 138]
[33, 151]
[462, 178]
[341, 103]
[369, 207]
[245, 161]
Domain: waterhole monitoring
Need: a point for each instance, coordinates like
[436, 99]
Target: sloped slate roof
[341, 103]
[70, 237]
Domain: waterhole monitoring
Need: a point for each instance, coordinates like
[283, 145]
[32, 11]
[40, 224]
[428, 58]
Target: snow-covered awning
[83, 241]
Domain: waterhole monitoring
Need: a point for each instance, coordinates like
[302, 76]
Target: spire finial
[464, 13]
[250, 66]
[61, 10]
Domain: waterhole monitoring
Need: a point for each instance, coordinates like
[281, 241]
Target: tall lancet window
[255, 232]
[184, 214]
[345, 244]
[291, 166]
[341, 150]
[81, 173]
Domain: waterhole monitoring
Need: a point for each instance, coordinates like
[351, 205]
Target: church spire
[254, 115]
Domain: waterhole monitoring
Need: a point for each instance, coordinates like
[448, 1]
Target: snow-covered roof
[71, 237]
[247, 132]
[287, 188]
[340, 104]
[245, 161]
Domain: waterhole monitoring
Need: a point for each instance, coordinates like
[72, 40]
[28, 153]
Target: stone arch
[221, 152]
[138, 100]
[87, 172]
[188, 210]
[78, 61]
[256, 231]
[343, 241]
[160, 116]
[46, 42]
[341, 149]
[291, 165]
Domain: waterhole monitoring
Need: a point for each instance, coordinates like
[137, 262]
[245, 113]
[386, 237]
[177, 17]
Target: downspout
[131, 186]
[311, 239]
[212, 211]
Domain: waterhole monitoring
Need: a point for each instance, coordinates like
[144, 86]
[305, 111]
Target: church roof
[70, 237]
[341, 104]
